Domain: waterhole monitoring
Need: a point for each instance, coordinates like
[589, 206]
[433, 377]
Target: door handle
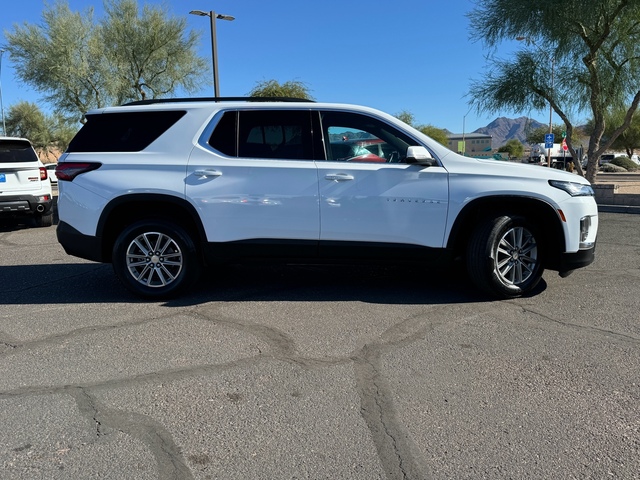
[339, 177]
[207, 173]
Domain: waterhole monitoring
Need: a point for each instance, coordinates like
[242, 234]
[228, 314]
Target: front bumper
[571, 261]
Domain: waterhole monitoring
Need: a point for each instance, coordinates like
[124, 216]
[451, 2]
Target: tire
[42, 220]
[155, 259]
[504, 257]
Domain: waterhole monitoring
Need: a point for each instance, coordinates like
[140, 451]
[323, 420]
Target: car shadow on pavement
[96, 283]
[369, 284]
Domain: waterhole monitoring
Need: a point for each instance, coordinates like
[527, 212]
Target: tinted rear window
[123, 132]
[14, 151]
[281, 134]
[225, 136]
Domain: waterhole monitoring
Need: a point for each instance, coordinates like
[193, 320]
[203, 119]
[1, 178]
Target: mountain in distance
[503, 129]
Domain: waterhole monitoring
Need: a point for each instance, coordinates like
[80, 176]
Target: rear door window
[268, 134]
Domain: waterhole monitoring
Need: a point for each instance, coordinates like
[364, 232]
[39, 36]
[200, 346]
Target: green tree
[537, 135]
[579, 57]
[80, 64]
[289, 89]
[63, 130]
[50, 135]
[151, 54]
[629, 140]
[513, 148]
[435, 133]
[406, 117]
[26, 120]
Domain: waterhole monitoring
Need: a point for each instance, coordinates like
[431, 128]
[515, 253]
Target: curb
[619, 209]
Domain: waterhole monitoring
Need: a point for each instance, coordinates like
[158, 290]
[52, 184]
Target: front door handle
[339, 177]
[207, 173]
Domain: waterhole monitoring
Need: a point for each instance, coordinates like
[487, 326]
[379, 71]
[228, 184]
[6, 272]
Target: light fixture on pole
[4, 127]
[214, 46]
[553, 64]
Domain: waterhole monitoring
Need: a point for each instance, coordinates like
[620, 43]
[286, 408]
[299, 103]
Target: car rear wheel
[504, 257]
[43, 220]
[155, 259]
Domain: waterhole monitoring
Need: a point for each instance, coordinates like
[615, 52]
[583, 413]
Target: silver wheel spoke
[146, 248]
[165, 275]
[516, 256]
[154, 259]
[146, 272]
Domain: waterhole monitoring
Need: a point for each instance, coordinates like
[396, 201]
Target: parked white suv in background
[165, 188]
[25, 189]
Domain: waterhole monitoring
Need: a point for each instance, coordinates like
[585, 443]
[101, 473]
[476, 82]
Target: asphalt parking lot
[317, 372]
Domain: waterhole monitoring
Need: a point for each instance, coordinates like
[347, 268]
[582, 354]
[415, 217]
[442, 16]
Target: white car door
[367, 193]
[255, 179]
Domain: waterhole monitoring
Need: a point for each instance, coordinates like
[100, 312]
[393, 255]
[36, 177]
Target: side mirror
[419, 156]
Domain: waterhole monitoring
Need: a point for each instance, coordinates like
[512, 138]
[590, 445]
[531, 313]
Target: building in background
[477, 145]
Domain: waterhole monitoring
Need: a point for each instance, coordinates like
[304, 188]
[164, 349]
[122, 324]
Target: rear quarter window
[16, 151]
[123, 132]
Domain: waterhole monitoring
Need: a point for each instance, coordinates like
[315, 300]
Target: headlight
[572, 188]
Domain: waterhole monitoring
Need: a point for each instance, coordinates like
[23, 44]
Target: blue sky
[413, 55]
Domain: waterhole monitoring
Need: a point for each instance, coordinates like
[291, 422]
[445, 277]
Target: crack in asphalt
[170, 462]
[77, 332]
[388, 434]
[395, 450]
[398, 454]
[584, 328]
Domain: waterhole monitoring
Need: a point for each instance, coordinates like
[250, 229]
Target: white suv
[164, 188]
[25, 189]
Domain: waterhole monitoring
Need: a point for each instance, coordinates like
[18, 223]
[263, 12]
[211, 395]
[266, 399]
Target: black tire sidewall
[39, 220]
[190, 268]
[481, 261]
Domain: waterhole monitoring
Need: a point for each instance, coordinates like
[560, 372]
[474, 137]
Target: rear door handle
[339, 177]
[207, 173]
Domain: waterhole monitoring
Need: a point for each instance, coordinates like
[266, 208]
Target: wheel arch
[540, 213]
[124, 210]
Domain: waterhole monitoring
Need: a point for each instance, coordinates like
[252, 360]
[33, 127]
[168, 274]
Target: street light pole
[553, 64]
[464, 143]
[214, 46]
[4, 127]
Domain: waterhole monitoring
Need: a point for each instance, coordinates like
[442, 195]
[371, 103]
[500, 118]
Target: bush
[626, 163]
[612, 168]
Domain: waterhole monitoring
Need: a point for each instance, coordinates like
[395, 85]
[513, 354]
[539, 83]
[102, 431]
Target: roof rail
[218, 99]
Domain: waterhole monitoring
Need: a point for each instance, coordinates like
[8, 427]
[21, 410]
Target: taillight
[67, 171]
[43, 174]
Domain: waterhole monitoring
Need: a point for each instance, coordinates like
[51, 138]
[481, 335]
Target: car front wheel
[155, 259]
[504, 257]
